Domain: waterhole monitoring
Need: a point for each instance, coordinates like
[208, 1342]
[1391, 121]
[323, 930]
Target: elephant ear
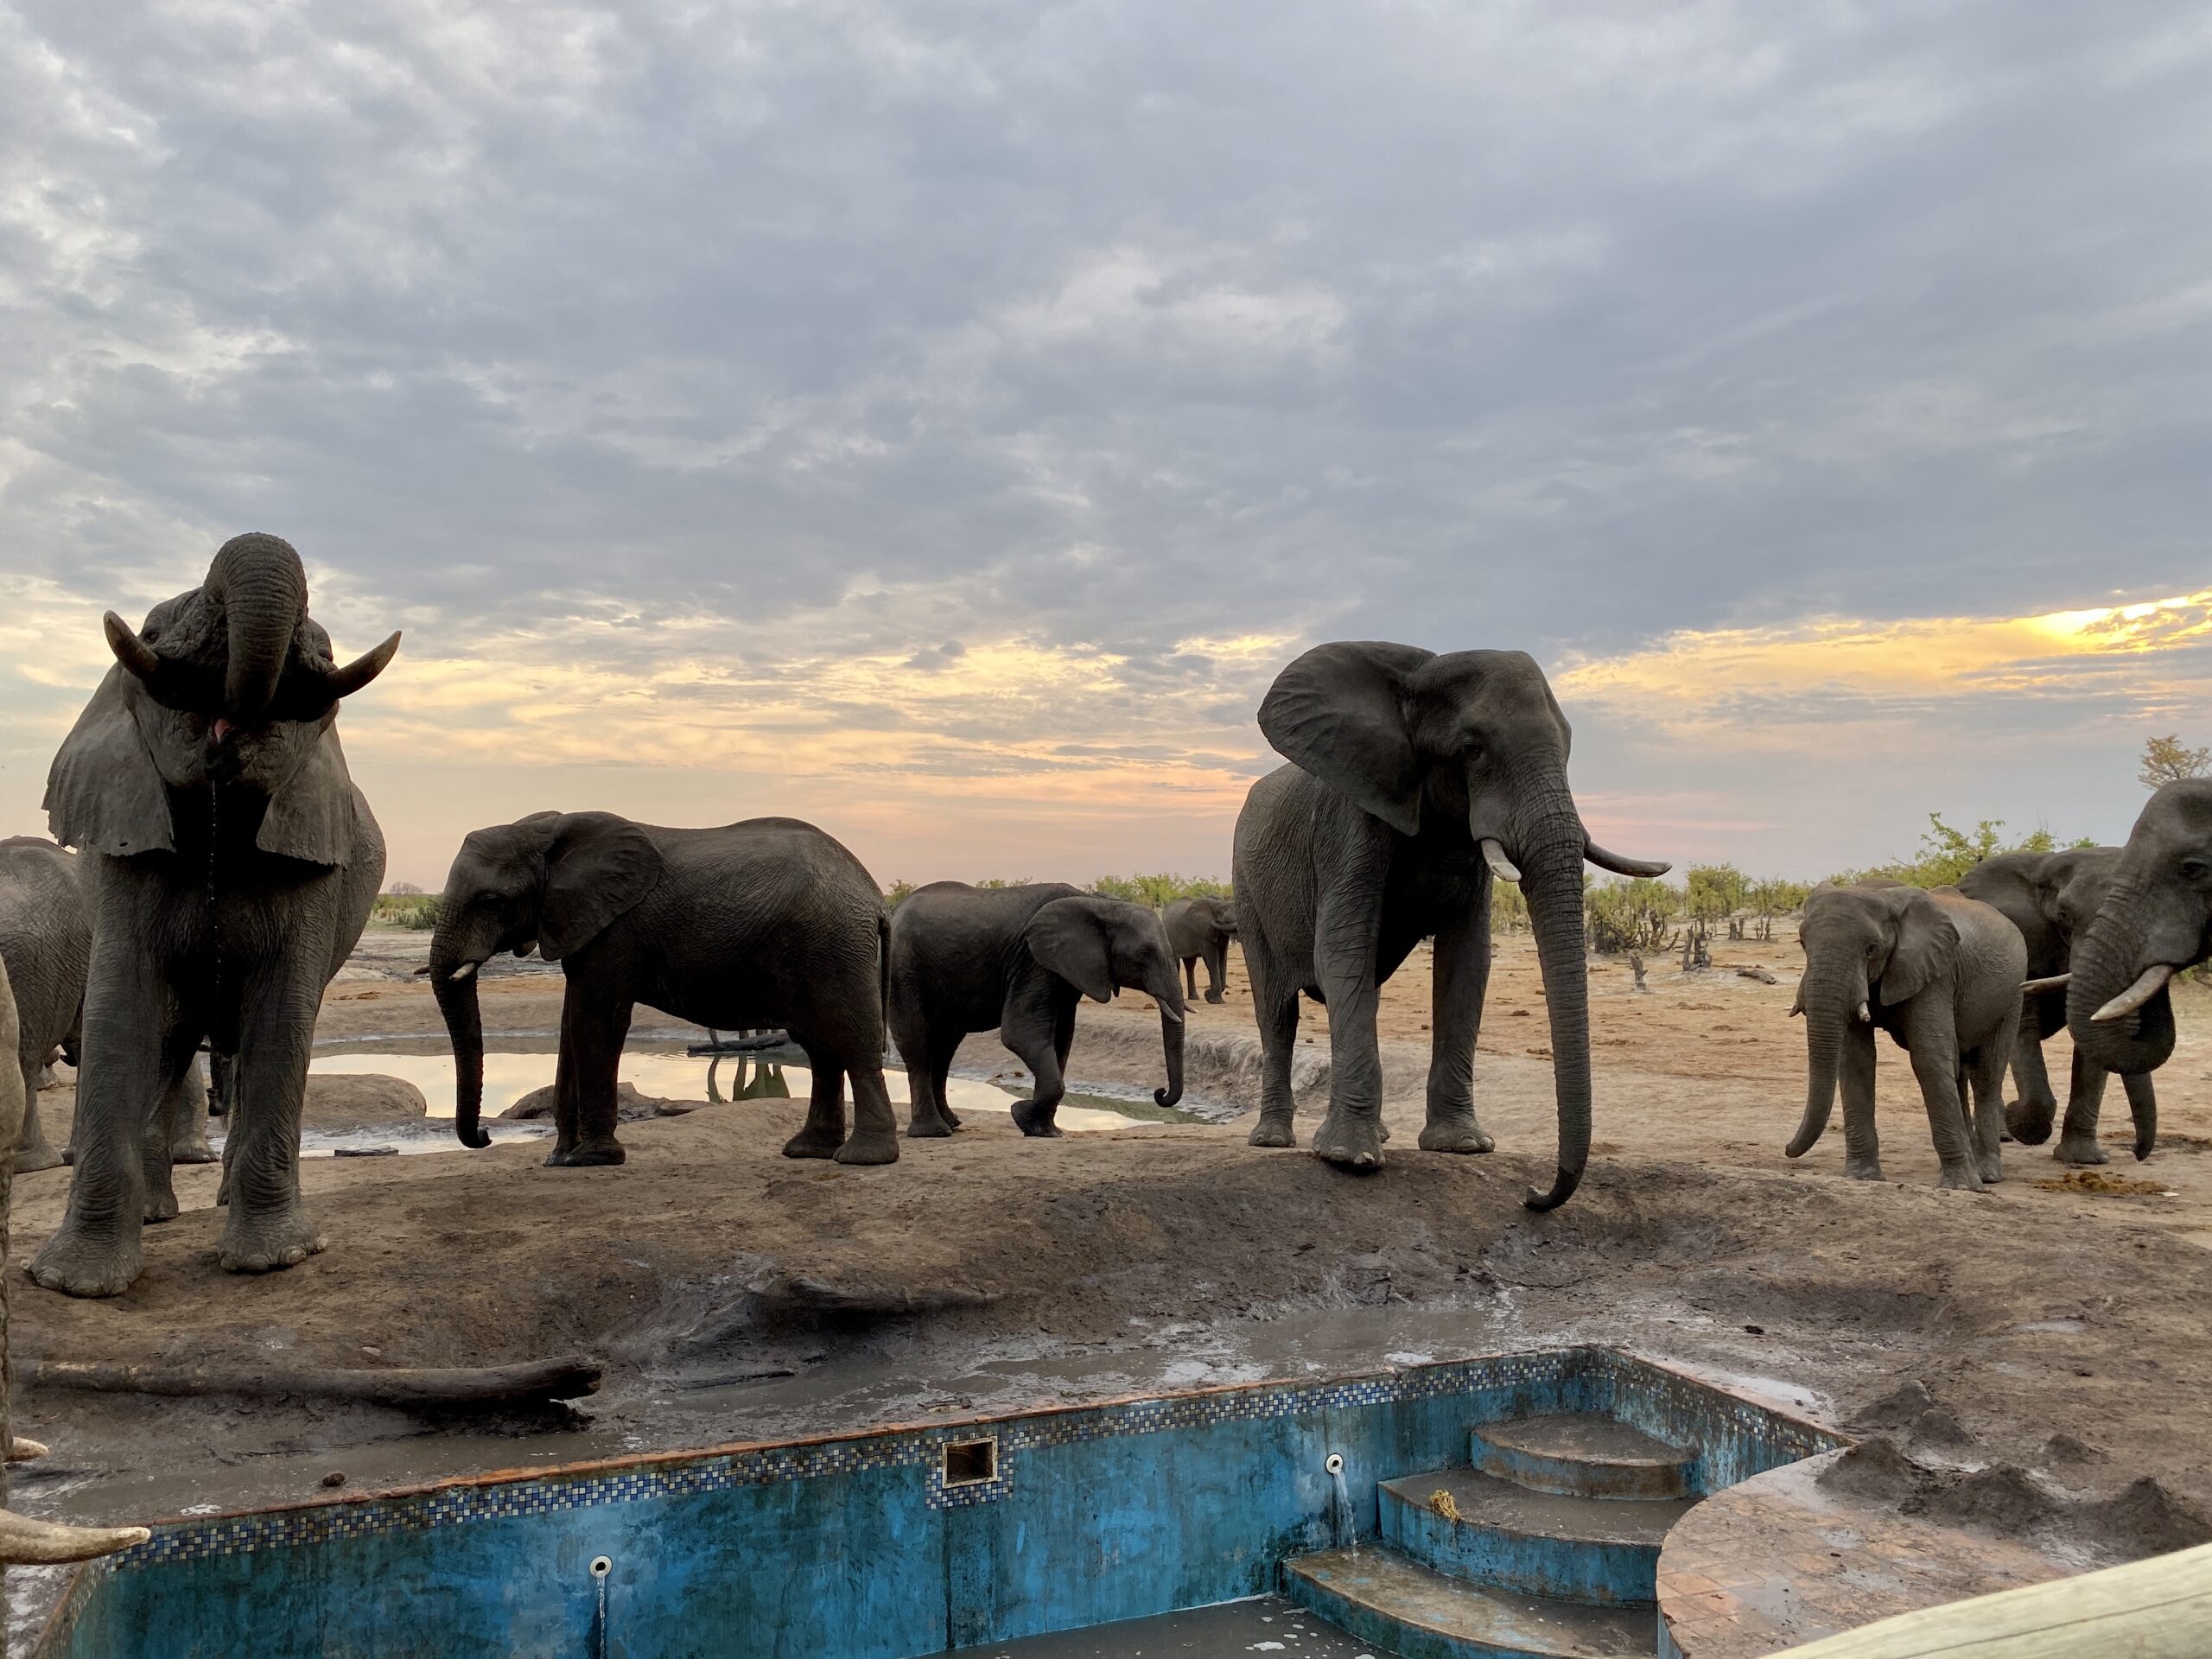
[597, 866]
[103, 793]
[314, 817]
[1339, 712]
[1926, 946]
[1070, 938]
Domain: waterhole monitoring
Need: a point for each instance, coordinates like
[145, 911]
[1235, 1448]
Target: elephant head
[1865, 947]
[552, 881]
[1220, 912]
[232, 688]
[2155, 920]
[1469, 745]
[1099, 946]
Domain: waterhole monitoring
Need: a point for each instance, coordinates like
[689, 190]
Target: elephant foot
[194, 1151]
[82, 1264]
[1991, 1169]
[928, 1128]
[951, 1117]
[588, 1154]
[160, 1205]
[2028, 1123]
[1215, 996]
[1036, 1123]
[1453, 1134]
[870, 1148]
[1272, 1131]
[41, 1156]
[1862, 1169]
[1960, 1178]
[1349, 1141]
[2079, 1149]
[808, 1144]
[267, 1241]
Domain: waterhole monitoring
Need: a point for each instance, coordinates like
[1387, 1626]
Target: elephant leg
[1935, 1066]
[2029, 1118]
[266, 1227]
[1345, 939]
[1216, 971]
[824, 1132]
[593, 1022]
[928, 1060]
[2085, 1099]
[1190, 979]
[1456, 993]
[157, 1150]
[1862, 1148]
[185, 1110]
[2143, 1106]
[1986, 1075]
[1275, 1009]
[128, 1014]
[1030, 1027]
[875, 1127]
[33, 1150]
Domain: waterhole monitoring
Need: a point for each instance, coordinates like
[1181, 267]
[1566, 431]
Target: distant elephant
[1942, 973]
[24, 1541]
[1200, 927]
[2155, 921]
[232, 866]
[966, 959]
[2051, 898]
[765, 923]
[1414, 778]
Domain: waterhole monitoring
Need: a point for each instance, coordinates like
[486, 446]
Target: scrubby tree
[1775, 896]
[2165, 760]
[1635, 915]
[1158, 891]
[896, 892]
[1509, 907]
[1947, 853]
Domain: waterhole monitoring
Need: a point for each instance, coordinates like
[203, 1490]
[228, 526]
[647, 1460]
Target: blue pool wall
[852, 1546]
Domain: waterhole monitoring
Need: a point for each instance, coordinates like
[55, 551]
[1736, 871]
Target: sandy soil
[734, 1294]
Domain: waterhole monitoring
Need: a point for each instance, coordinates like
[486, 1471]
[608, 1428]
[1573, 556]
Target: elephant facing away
[769, 922]
[2155, 921]
[2052, 898]
[1413, 777]
[1942, 973]
[966, 959]
[230, 864]
[1200, 929]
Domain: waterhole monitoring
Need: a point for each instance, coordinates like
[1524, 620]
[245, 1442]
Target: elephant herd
[227, 864]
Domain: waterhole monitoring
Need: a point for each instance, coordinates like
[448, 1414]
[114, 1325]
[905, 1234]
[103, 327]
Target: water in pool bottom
[667, 1076]
[1265, 1624]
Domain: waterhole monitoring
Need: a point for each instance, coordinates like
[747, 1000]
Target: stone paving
[1777, 1561]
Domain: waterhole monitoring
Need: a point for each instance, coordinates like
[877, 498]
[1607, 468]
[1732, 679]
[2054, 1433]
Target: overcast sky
[940, 421]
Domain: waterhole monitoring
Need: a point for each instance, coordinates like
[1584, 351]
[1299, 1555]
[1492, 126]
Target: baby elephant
[1199, 927]
[966, 959]
[1942, 973]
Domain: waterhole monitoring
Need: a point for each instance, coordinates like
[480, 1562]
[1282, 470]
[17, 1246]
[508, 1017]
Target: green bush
[1946, 853]
[1159, 890]
[1635, 915]
[418, 911]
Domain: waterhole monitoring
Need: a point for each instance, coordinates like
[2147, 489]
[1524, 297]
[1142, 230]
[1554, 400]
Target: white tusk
[1166, 1013]
[1500, 865]
[2049, 983]
[23, 1451]
[2147, 985]
[1866, 1017]
[466, 970]
[26, 1542]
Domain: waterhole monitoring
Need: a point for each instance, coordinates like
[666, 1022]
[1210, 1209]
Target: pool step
[1380, 1596]
[1476, 1527]
[1581, 1455]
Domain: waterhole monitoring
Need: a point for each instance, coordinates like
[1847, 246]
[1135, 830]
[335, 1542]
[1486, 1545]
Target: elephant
[769, 922]
[230, 864]
[2155, 921]
[2051, 898]
[1201, 926]
[24, 1541]
[1415, 779]
[965, 959]
[1939, 972]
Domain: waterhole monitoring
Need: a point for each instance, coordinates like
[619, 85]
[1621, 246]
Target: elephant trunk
[2106, 960]
[1170, 1041]
[263, 588]
[1551, 866]
[1824, 1023]
[453, 981]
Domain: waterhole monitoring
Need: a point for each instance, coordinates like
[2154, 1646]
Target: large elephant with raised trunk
[2155, 921]
[232, 864]
[1414, 779]
[765, 923]
[1942, 973]
[2052, 898]
[1199, 929]
[966, 959]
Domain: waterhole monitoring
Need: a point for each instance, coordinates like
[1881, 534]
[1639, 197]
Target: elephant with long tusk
[24, 1541]
[2155, 921]
[1415, 780]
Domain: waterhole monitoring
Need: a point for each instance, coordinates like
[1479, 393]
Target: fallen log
[432, 1389]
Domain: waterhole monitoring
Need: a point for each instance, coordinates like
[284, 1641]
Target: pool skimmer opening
[971, 1462]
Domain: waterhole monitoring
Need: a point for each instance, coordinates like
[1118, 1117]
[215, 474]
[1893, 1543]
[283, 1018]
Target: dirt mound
[338, 1102]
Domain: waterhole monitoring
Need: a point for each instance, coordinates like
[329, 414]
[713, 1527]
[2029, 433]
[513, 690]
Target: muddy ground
[735, 1294]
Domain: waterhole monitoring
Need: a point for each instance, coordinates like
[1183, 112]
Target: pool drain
[601, 1566]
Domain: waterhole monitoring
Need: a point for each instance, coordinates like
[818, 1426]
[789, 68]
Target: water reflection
[751, 1079]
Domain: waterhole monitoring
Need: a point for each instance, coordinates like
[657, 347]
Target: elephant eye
[2196, 869]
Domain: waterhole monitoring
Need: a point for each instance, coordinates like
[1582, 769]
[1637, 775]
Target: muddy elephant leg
[1862, 1148]
[2085, 1099]
[1275, 1009]
[875, 1139]
[2027, 1119]
[1936, 1067]
[824, 1132]
[593, 1022]
[266, 1226]
[1345, 943]
[1456, 993]
[1030, 1027]
[2143, 1106]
